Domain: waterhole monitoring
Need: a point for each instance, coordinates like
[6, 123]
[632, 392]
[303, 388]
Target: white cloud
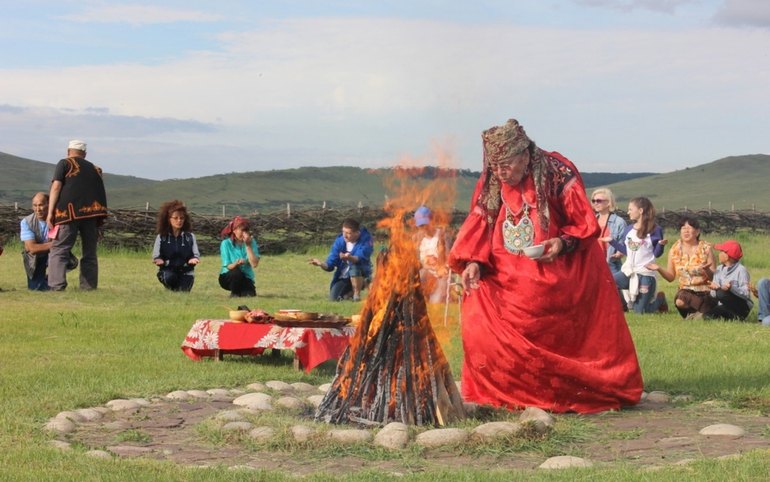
[365, 91]
[753, 13]
[664, 6]
[139, 15]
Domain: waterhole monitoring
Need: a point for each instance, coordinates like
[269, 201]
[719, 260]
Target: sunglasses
[598, 201]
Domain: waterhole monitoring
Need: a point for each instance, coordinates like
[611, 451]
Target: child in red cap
[730, 285]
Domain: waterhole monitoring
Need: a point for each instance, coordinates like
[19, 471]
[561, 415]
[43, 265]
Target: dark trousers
[341, 289]
[694, 302]
[175, 280]
[730, 307]
[60, 254]
[39, 280]
[237, 283]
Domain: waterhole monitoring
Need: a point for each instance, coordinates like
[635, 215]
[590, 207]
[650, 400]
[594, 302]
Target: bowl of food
[534, 252]
[238, 315]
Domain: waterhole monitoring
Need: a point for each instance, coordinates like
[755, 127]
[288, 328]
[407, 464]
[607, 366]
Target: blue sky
[180, 89]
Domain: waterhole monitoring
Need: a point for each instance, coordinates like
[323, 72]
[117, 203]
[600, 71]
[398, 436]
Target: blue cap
[422, 216]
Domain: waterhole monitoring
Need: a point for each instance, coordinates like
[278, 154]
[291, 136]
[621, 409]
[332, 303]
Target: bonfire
[394, 369]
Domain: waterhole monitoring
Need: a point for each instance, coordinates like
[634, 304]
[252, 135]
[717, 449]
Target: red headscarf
[236, 222]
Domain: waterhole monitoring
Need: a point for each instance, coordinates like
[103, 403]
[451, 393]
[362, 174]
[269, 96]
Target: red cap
[731, 248]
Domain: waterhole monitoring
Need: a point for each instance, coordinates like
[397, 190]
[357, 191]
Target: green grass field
[62, 351]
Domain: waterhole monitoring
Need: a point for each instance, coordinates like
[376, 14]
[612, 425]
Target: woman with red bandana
[546, 332]
[240, 256]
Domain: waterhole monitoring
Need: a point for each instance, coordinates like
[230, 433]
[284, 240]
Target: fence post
[360, 207]
[223, 211]
[323, 208]
[709, 208]
[288, 210]
[16, 206]
[732, 209]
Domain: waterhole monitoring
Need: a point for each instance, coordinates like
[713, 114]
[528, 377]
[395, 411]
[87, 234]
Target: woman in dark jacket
[176, 250]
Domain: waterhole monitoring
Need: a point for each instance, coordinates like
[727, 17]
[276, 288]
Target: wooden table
[311, 346]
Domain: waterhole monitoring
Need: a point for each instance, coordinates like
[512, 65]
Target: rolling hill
[737, 182]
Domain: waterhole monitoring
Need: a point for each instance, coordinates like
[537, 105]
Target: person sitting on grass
[175, 252]
[730, 286]
[643, 242]
[692, 262]
[240, 256]
[349, 257]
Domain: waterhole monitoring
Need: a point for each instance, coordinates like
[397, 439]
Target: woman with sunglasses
[611, 225]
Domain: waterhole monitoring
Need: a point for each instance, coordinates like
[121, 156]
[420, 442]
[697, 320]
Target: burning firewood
[394, 369]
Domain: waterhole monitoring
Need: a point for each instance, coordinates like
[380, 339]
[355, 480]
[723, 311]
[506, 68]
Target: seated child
[730, 285]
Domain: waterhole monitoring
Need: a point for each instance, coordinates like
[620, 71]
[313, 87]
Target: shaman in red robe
[545, 334]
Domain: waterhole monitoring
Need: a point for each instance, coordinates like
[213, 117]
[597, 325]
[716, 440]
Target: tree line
[300, 229]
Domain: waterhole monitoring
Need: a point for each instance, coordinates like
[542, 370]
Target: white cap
[76, 144]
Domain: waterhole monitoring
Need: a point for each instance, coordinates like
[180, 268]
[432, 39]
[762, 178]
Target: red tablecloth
[311, 346]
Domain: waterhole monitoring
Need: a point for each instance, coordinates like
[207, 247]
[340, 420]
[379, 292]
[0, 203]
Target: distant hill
[22, 178]
[339, 187]
[736, 182]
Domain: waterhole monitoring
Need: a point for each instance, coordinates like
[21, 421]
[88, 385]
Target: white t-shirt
[639, 252]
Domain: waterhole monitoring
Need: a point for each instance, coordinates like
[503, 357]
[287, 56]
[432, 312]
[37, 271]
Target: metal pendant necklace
[517, 235]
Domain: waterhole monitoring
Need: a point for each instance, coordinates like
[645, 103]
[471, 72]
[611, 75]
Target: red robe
[549, 335]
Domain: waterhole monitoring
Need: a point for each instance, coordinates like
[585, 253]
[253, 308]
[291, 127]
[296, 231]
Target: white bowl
[534, 252]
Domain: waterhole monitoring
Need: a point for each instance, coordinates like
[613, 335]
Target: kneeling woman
[175, 252]
[240, 255]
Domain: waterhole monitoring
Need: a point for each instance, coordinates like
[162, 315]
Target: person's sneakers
[694, 316]
[662, 303]
[356, 297]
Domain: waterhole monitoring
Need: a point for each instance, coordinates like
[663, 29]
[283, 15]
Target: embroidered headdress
[502, 142]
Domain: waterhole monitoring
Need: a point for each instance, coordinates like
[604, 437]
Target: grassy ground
[61, 351]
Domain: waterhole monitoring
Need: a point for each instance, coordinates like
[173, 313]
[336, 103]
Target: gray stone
[117, 425]
[60, 425]
[129, 450]
[302, 433]
[70, 415]
[393, 436]
[178, 395]
[99, 454]
[325, 387]
[315, 400]
[237, 426]
[495, 430]
[565, 462]
[198, 393]
[291, 403]
[262, 434]
[303, 387]
[441, 437]
[61, 445]
[256, 387]
[350, 436]
[657, 397]
[279, 386]
[89, 414]
[541, 420]
[218, 392]
[141, 401]
[723, 429]
[120, 404]
[230, 416]
[255, 401]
